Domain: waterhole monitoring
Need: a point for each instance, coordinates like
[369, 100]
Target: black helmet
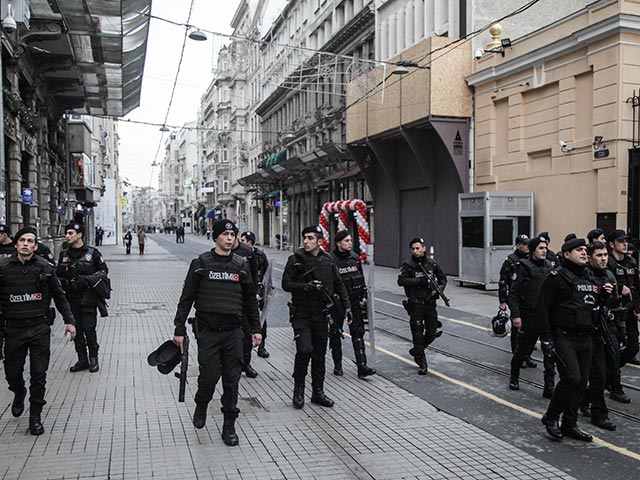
[500, 325]
[165, 357]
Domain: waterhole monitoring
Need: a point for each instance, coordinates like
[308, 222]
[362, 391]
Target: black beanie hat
[313, 229]
[249, 236]
[534, 242]
[341, 235]
[573, 243]
[570, 236]
[416, 240]
[222, 225]
[78, 227]
[24, 231]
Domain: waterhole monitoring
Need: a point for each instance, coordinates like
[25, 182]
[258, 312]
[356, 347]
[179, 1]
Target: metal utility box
[488, 223]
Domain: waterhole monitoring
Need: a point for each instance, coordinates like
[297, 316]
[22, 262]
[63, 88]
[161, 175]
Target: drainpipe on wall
[471, 143]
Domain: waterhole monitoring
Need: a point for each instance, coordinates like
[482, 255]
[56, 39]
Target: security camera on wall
[9, 24]
[563, 144]
[479, 53]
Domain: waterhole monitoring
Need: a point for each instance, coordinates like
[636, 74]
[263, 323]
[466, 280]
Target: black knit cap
[416, 240]
[545, 235]
[534, 242]
[573, 243]
[313, 229]
[522, 239]
[24, 231]
[570, 236]
[5, 229]
[341, 235]
[78, 227]
[249, 236]
[593, 234]
[222, 225]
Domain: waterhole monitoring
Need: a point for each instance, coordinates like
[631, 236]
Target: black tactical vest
[578, 312]
[347, 264]
[531, 290]
[625, 271]
[220, 289]
[25, 289]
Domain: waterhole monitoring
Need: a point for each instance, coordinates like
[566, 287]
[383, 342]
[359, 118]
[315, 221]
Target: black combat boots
[249, 371]
[35, 424]
[553, 429]
[572, 431]
[298, 393]
[361, 359]
[94, 366]
[81, 364]
[423, 368]
[200, 415]
[17, 407]
[229, 436]
[262, 351]
[318, 397]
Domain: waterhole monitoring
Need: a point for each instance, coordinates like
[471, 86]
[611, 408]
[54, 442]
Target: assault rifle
[184, 366]
[434, 284]
[331, 309]
[602, 328]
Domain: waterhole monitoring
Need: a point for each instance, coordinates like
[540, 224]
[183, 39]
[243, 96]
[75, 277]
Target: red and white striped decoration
[342, 208]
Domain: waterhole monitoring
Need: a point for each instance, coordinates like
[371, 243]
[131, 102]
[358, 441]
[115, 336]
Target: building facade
[51, 79]
[558, 116]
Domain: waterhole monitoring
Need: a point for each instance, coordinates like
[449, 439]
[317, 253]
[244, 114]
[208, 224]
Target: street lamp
[197, 35]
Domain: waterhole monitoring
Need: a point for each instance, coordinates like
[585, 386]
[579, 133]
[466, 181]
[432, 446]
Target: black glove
[348, 313]
[310, 286]
[548, 348]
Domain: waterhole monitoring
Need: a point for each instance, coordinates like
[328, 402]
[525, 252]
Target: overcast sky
[139, 143]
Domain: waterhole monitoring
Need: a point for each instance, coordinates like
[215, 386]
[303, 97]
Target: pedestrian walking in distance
[421, 300]
[219, 284]
[27, 285]
[142, 238]
[312, 278]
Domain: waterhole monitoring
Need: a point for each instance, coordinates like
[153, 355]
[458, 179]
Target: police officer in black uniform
[350, 269]
[6, 250]
[596, 235]
[27, 285]
[523, 297]
[504, 284]
[79, 267]
[219, 284]
[554, 258]
[262, 264]
[593, 402]
[625, 269]
[566, 315]
[308, 271]
[6, 243]
[421, 300]
[249, 257]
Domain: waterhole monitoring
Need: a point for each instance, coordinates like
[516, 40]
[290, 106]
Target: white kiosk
[488, 223]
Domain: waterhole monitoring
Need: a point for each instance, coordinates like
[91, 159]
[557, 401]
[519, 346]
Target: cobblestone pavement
[125, 422]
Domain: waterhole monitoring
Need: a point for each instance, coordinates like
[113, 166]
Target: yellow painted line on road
[506, 403]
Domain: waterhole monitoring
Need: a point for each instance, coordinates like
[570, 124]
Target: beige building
[555, 116]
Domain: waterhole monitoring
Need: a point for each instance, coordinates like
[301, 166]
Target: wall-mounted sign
[601, 153]
[27, 196]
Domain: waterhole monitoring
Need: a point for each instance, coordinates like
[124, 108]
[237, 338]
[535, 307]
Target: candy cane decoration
[342, 208]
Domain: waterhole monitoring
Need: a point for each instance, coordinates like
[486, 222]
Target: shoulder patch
[553, 272]
[514, 276]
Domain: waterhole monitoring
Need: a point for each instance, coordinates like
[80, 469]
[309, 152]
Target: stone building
[309, 54]
[56, 63]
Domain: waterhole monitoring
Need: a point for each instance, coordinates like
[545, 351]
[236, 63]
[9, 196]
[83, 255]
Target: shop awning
[210, 213]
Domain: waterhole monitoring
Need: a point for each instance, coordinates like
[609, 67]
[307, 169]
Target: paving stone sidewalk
[125, 422]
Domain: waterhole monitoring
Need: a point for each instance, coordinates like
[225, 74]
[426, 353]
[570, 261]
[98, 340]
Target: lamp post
[281, 219]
